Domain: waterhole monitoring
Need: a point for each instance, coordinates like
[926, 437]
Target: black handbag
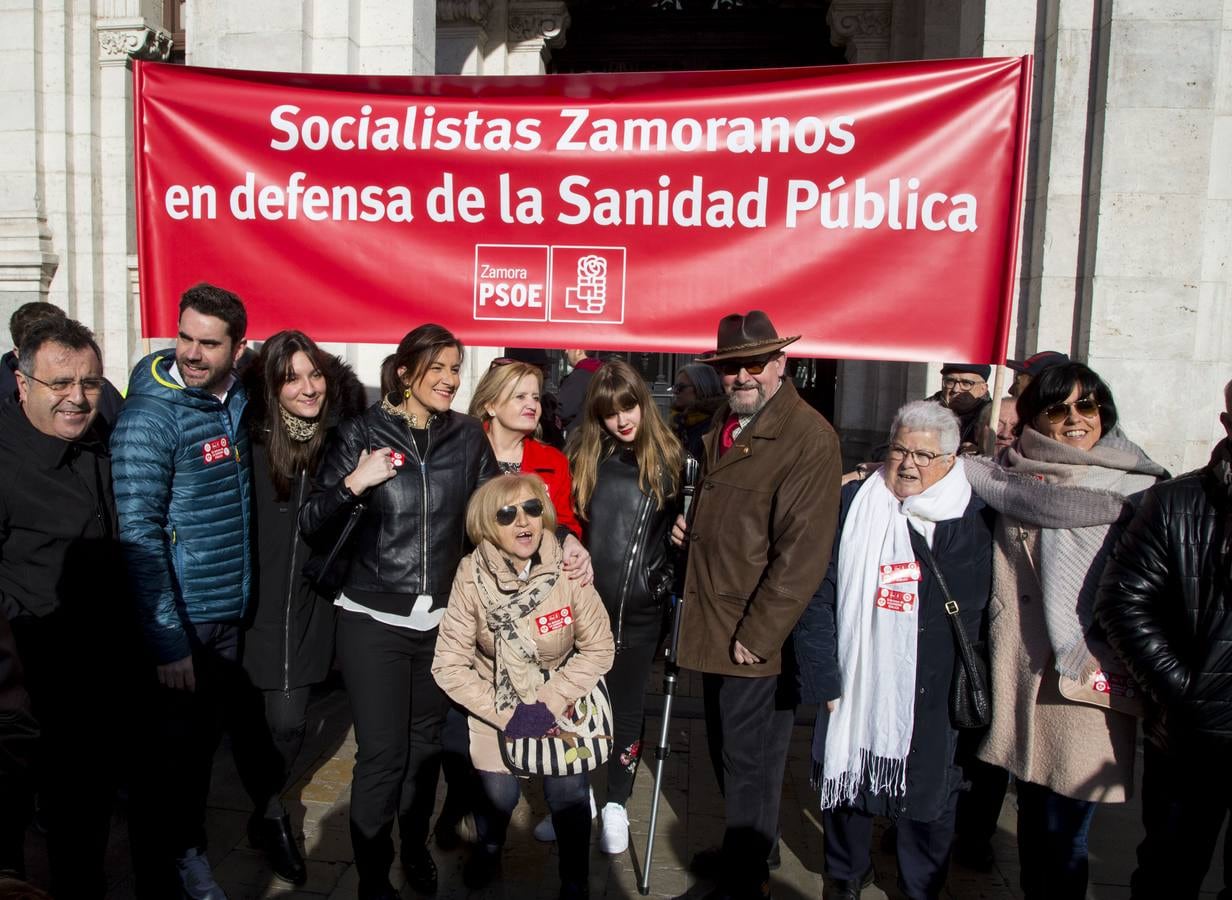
[970, 703]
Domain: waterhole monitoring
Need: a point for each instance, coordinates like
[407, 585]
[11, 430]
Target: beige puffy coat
[464, 664]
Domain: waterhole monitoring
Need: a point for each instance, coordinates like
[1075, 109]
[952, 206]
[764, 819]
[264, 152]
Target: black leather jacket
[1165, 602]
[412, 533]
[627, 535]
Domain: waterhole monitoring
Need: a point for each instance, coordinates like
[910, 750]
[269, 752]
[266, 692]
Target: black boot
[482, 867]
[419, 867]
[837, 889]
[572, 826]
[274, 836]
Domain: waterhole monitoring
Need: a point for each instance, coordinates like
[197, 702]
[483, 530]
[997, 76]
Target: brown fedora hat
[744, 336]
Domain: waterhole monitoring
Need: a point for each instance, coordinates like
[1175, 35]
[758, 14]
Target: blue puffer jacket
[179, 461]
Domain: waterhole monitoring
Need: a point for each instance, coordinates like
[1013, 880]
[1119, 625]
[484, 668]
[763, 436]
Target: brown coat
[464, 665]
[763, 527]
[1077, 750]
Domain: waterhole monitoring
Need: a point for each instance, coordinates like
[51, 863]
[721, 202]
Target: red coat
[551, 466]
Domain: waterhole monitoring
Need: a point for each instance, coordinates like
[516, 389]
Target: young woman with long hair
[400, 475]
[626, 467]
[297, 395]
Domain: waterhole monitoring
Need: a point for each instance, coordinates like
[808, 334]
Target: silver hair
[928, 415]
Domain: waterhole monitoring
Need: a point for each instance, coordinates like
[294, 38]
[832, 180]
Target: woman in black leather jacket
[626, 477]
[398, 478]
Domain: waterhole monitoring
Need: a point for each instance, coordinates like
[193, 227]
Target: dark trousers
[1052, 843]
[749, 724]
[1184, 803]
[979, 807]
[460, 779]
[922, 849]
[183, 729]
[398, 711]
[286, 715]
[74, 684]
[568, 798]
[626, 683]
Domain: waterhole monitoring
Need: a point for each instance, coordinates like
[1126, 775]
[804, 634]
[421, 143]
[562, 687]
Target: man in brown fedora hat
[759, 542]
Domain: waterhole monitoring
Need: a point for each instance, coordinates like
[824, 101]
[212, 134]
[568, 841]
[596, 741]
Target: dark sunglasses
[1087, 407]
[506, 514]
[754, 366]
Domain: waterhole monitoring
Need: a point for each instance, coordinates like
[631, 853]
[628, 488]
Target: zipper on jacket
[635, 553]
[291, 580]
[423, 480]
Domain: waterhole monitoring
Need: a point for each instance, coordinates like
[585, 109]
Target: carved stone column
[535, 27]
[862, 27]
[27, 258]
[461, 36]
[116, 321]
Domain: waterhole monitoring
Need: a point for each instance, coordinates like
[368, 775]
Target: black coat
[411, 535]
[59, 549]
[289, 638]
[963, 549]
[1165, 603]
[627, 535]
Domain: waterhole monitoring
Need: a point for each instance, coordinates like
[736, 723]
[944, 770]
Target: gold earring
[406, 392]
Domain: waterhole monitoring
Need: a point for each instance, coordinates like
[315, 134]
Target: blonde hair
[615, 387]
[500, 491]
[496, 386]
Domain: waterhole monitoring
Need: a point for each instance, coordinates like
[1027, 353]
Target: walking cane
[671, 672]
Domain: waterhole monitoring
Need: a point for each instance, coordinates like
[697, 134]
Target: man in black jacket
[1165, 601]
[59, 580]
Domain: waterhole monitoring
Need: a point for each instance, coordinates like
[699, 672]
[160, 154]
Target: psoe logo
[511, 282]
[588, 285]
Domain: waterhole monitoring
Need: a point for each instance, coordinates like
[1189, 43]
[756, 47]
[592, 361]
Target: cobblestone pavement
[690, 818]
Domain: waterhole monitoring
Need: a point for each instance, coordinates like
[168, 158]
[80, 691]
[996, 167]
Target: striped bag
[584, 741]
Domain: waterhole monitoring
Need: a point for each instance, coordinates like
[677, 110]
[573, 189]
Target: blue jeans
[568, 797]
[1052, 843]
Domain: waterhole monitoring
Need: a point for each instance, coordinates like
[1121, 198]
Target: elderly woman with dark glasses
[518, 645]
[1062, 722]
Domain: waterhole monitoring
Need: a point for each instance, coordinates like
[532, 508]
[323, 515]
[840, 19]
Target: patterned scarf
[508, 603]
[1074, 497]
[299, 429]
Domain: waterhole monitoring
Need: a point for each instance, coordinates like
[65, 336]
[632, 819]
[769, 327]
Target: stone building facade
[1126, 232]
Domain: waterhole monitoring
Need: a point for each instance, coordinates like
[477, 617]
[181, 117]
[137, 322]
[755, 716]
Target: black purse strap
[965, 650]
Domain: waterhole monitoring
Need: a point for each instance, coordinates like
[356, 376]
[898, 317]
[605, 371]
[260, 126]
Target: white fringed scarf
[877, 611]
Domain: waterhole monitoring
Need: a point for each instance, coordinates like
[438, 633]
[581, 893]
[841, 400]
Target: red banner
[872, 209]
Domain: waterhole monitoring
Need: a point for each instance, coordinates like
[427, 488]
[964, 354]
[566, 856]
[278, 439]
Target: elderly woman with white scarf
[875, 645]
[1062, 720]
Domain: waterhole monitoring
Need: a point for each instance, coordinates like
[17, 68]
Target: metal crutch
[671, 673]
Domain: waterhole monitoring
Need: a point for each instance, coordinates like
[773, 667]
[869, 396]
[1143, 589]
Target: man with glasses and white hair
[759, 543]
[964, 391]
[60, 576]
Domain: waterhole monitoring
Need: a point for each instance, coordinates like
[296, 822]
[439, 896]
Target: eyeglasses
[1087, 407]
[961, 384]
[680, 387]
[754, 366]
[506, 514]
[922, 458]
[62, 386]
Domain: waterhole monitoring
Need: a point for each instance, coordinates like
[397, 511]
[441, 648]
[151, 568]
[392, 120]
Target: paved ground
[690, 819]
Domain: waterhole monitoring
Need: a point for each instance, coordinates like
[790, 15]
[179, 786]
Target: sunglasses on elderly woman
[1087, 407]
[506, 514]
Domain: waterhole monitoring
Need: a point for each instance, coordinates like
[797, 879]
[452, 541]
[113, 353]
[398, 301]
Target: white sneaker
[614, 837]
[546, 832]
[197, 877]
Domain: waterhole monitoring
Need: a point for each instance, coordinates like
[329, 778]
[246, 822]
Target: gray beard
[749, 408]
